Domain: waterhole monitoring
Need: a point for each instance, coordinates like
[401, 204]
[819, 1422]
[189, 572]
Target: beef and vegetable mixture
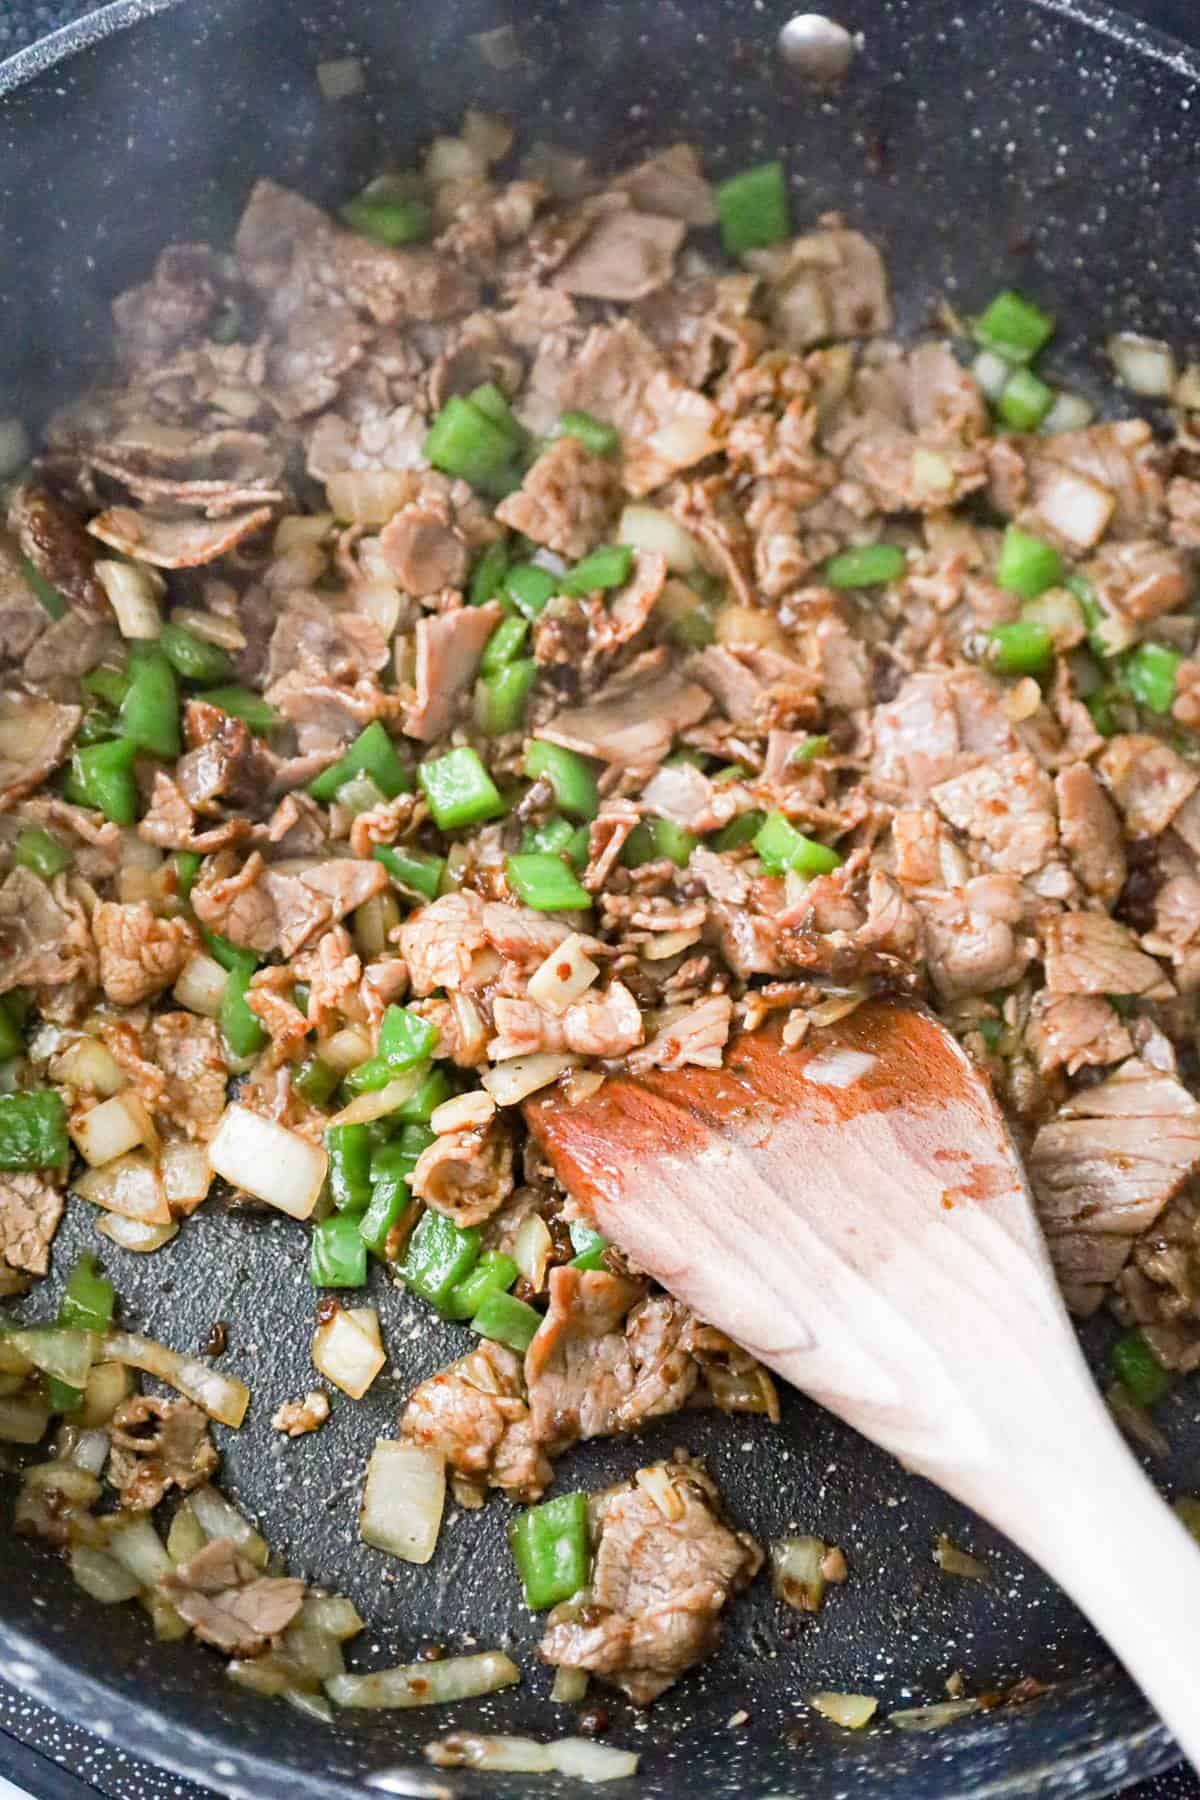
[532, 624]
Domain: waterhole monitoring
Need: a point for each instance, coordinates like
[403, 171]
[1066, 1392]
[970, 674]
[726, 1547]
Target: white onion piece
[201, 985]
[129, 1185]
[750, 625]
[586, 1760]
[13, 1360]
[89, 1452]
[222, 1397]
[135, 1544]
[23, 1419]
[520, 1076]
[1070, 412]
[368, 496]
[953, 1561]
[131, 1234]
[78, 1486]
[345, 1049]
[499, 48]
[334, 1615]
[15, 447]
[89, 1064]
[218, 1518]
[1143, 365]
[569, 1686]
[566, 973]
[649, 528]
[186, 1536]
[463, 1112]
[214, 628]
[1077, 508]
[186, 1174]
[268, 1161]
[1060, 612]
[380, 602]
[991, 372]
[102, 1577]
[580, 1084]
[581, 1758]
[932, 1718]
[346, 1355]
[850, 1710]
[107, 1131]
[365, 1107]
[797, 1577]
[426, 1683]
[133, 593]
[453, 159]
[367, 1319]
[108, 1383]
[403, 1500]
[1187, 389]
[340, 78]
[532, 1249]
[657, 1484]
[487, 135]
[839, 1068]
[58, 1351]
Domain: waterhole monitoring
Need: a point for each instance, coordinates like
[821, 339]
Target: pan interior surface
[1003, 143]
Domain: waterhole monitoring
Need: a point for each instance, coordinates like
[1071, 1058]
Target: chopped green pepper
[608, 567]
[653, 839]
[316, 1081]
[107, 685]
[38, 850]
[149, 715]
[349, 1149]
[338, 1256]
[549, 1544]
[493, 403]
[417, 871]
[1023, 648]
[372, 754]
[405, 1039]
[545, 883]
[740, 831]
[1150, 673]
[96, 725]
[487, 577]
[101, 776]
[459, 789]
[87, 1305]
[186, 867]
[388, 221]
[12, 1041]
[569, 774]
[501, 696]
[752, 209]
[1027, 566]
[463, 441]
[1013, 327]
[244, 1032]
[782, 847]
[504, 645]
[419, 1107]
[194, 657]
[494, 1273]
[1100, 706]
[440, 1255]
[531, 588]
[1135, 1364]
[869, 566]
[391, 1197]
[243, 703]
[33, 1130]
[1025, 400]
[588, 1244]
[596, 435]
[46, 595]
[557, 836]
[506, 1320]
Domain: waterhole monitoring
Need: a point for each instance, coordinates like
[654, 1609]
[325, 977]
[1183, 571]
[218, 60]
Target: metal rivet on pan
[817, 49]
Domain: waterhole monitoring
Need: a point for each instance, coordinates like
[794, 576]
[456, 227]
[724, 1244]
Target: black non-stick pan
[1039, 143]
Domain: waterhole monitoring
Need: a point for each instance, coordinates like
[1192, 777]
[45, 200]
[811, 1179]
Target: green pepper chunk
[1025, 400]
[194, 657]
[149, 715]
[494, 1273]
[783, 848]
[96, 725]
[501, 697]
[1013, 327]
[244, 1031]
[315, 1081]
[406, 1039]
[558, 837]
[372, 754]
[12, 1040]
[609, 567]
[545, 883]
[38, 850]
[464, 442]
[741, 830]
[1023, 648]
[570, 775]
[101, 776]
[487, 577]
[1027, 566]
[419, 1107]
[243, 703]
[459, 789]
[493, 404]
[753, 210]
[1150, 672]
[504, 645]
[107, 685]
[388, 221]
[440, 1255]
[45, 594]
[33, 1130]
[531, 588]
[391, 1197]
[338, 1255]
[549, 1545]
[186, 864]
[506, 1320]
[417, 871]
[652, 840]
[87, 1304]
[869, 566]
[588, 1244]
[1135, 1364]
[596, 435]
[349, 1149]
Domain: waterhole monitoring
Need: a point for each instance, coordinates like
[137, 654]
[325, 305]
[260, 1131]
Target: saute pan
[1040, 143]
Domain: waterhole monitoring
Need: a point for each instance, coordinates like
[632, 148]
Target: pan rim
[34, 1668]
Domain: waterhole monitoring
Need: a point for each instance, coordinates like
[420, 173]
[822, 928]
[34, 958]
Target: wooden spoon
[854, 1213]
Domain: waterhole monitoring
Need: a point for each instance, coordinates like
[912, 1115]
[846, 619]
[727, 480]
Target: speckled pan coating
[992, 141]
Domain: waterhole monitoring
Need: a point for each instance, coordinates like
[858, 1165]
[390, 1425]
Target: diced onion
[499, 48]
[566, 973]
[532, 1249]
[490, 137]
[186, 1174]
[186, 1537]
[23, 1419]
[345, 1049]
[129, 1185]
[341, 78]
[368, 496]
[470, 1030]
[992, 373]
[735, 624]
[1060, 612]
[366, 1107]
[1070, 412]
[932, 1718]
[453, 159]
[684, 439]
[89, 1064]
[201, 985]
[380, 602]
[333, 1614]
[135, 1544]
[13, 1360]
[64, 1480]
[586, 1760]
[851, 1710]
[427, 1683]
[648, 528]
[797, 1575]
[107, 1131]
[403, 1500]
[101, 1576]
[569, 1686]
[1074, 506]
[954, 1561]
[1143, 365]
[108, 1383]
[580, 1758]
[1187, 389]
[58, 1351]
[346, 1355]
[131, 1234]
[219, 1518]
[932, 474]
[464, 1112]
[665, 944]
[216, 628]
[367, 1319]
[839, 1068]
[222, 1397]
[133, 592]
[168, 1624]
[89, 1452]
[16, 447]
[520, 1076]
[268, 1161]
[580, 1084]
[656, 1482]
